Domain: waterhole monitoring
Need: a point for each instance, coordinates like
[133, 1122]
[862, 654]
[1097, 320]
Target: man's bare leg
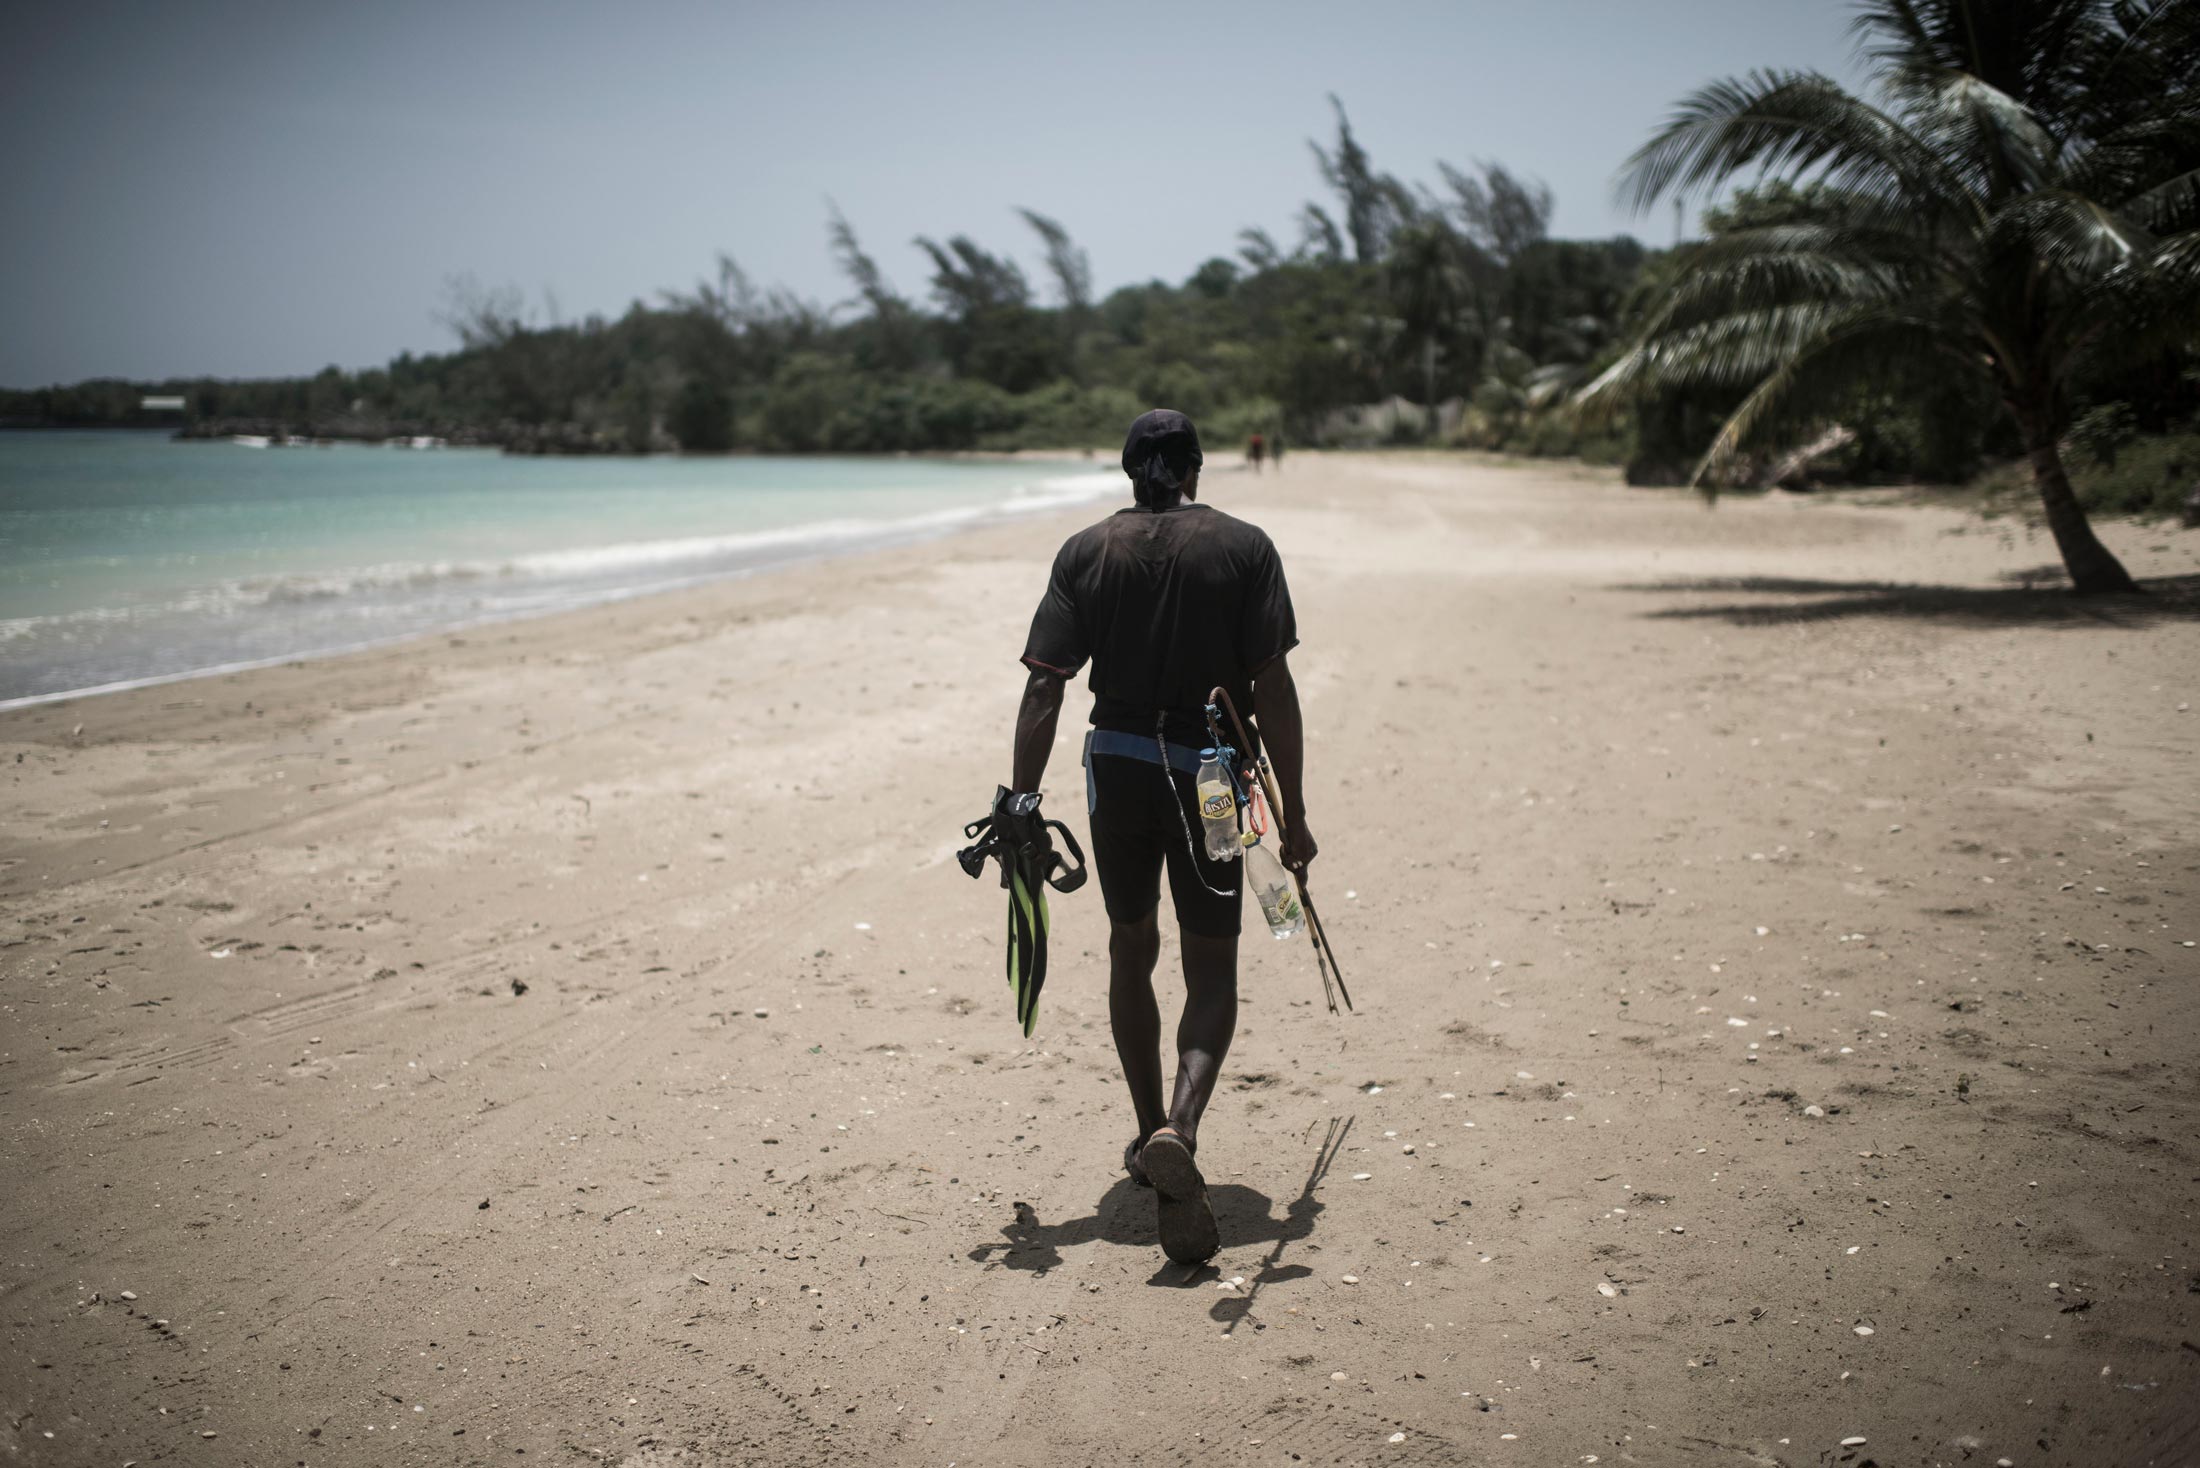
[1135, 1018]
[1187, 1218]
[1204, 1033]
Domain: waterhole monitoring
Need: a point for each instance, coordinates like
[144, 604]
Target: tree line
[1993, 258]
[1386, 289]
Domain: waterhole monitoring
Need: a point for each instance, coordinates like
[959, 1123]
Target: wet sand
[574, 1041]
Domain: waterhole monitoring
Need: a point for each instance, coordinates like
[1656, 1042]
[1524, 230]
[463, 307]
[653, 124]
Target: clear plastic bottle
[1218, 817]
[1279, 900]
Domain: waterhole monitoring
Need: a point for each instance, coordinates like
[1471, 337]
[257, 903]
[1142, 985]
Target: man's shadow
[1125, 1215]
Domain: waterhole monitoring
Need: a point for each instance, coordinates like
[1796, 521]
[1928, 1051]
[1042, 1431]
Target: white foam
[531, 584]
[604, 560]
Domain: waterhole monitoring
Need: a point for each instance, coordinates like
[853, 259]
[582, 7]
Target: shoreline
[470, 440]
[811, 542]
[579, 1030]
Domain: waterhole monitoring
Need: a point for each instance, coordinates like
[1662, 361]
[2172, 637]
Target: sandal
[1130, 1163]
[1188, 1233]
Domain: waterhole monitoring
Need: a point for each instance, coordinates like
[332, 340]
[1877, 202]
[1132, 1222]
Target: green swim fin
[1014, 833]
[1027, 944]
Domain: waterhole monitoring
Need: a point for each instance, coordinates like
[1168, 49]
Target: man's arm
[1035, 720]
[1276, 710]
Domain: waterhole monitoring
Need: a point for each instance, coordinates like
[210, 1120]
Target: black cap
[1161, 452]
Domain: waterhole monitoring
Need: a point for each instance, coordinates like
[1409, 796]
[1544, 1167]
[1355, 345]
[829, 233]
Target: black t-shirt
[1167, 604]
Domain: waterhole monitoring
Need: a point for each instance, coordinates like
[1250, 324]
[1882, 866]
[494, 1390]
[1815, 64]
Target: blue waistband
[1139, 746]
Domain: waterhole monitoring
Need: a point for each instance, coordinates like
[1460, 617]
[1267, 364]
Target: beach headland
[1770, 926]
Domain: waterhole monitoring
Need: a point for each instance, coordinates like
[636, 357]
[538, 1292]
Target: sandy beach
[573, 1041]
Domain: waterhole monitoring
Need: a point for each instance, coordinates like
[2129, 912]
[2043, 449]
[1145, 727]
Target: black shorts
[1139, 814]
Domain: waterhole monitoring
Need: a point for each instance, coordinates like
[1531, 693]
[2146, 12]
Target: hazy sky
[247, 189]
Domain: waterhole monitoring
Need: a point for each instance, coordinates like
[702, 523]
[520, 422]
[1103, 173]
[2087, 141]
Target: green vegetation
[2148, 478]
[1999, 259]
[2019, 226]
[1390, 289]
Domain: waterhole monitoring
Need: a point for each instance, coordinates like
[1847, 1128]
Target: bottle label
[1216, 804]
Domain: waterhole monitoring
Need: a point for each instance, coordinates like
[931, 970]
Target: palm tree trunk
[2093, 567]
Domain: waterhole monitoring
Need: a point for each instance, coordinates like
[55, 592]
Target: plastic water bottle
[1217, 807]
[1279, 900]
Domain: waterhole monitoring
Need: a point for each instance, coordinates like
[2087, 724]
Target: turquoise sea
[129, 557]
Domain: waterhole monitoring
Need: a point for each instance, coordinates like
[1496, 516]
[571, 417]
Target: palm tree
[2022, 209]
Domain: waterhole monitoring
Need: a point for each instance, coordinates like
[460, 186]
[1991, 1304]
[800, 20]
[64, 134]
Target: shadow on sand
[2036, 598]
[1125, 1215]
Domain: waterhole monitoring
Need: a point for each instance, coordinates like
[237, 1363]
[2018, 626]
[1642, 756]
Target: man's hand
[1018, 825]
[1276, 706]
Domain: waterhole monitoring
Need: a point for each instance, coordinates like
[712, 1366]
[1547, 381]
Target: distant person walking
[1168, 599]
[1275, 451]
[1255, 451]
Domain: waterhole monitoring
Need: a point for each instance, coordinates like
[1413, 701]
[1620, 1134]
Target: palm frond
[1737, 282]
[1890, 238]
[2069, 233]
[2178, 261]
[1892, 32]
[2149, 304]
[1980, 130]
[1726, 351]
[1787, 124]
[1549, 384]
[2135, 162]
[2158, 40]
[2038, 53]
[1849, 353]
[2170, 206]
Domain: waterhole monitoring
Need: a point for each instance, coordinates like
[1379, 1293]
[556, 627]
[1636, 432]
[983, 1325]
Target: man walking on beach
[1168, 599]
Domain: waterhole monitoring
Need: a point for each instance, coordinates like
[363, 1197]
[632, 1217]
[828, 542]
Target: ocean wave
[450, 592]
